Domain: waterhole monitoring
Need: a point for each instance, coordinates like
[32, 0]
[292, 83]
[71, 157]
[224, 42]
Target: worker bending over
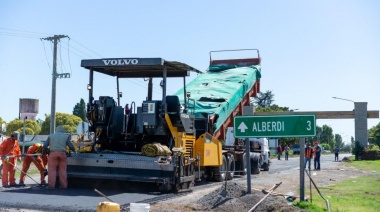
[39, 162]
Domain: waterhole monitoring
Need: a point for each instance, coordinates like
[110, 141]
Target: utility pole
[55, 75]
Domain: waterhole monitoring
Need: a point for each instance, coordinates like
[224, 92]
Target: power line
[70, 48]
[16, 30]
[68, 55]
[87, 48]
[45, 54]
[18, 35]
[34, 35]
[63, 68]
[81, 52]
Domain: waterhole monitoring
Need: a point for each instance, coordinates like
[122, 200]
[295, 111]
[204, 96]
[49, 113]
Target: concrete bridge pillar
[361, 124]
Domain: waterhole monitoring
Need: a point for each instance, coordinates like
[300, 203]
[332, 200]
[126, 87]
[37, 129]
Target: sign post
[276, 127]
[248, 159]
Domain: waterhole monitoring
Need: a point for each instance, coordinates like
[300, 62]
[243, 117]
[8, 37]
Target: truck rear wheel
[230, 166]
[255, 165]
[266, 167]
[220, 172]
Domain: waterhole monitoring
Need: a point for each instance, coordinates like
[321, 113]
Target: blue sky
[311, 51]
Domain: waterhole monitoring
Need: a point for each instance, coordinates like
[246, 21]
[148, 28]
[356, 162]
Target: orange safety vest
[9, 147]
[308, 152]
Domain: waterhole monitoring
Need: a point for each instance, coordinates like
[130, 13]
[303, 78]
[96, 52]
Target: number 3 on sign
[308, 125]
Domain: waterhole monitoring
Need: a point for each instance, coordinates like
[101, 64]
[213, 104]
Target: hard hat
[316, 142]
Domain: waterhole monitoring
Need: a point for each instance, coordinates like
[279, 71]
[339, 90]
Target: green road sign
[274, 126]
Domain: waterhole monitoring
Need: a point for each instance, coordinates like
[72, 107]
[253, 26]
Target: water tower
[28, 108]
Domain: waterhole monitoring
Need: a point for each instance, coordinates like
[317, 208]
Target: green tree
[357, 150]
[347, 148]
[31, 127]
[352, 143]
[325, 146]
[68, 121]
[1, 122]
[339, 141]
[272, 108]
[326, 136]
[318, 132]
[264, 99]
[80, 110]
[374, 135]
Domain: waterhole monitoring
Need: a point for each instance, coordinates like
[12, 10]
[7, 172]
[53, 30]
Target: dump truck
[172, 141]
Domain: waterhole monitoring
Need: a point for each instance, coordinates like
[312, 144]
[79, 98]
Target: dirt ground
[213, 198]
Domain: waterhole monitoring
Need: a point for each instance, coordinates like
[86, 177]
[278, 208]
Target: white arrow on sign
[242, 127]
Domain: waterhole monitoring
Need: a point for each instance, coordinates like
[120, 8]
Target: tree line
[42, 127]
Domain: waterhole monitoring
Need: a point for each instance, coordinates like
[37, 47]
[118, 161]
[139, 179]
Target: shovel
[224, 192]
[22, 171]
[97, 191]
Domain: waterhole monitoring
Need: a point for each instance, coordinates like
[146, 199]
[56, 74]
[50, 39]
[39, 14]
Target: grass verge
[354, 194]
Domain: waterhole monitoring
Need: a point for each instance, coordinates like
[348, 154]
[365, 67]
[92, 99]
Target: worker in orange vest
[308, 154]
[314, 156]
[9, 151]
[39, 162]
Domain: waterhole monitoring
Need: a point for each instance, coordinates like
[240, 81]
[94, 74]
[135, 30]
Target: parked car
[296, 149]
[30, 140]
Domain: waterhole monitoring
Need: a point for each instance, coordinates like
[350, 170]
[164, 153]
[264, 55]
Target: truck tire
[220, 172]
[255, 165]
[230, 166]
[266, 166]
[244, 165]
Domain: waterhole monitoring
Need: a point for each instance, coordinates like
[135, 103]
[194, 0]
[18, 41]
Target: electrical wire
[18, 35]
[45, 54]
[63, 68]
[87, 48]
[68, 56]
[70, 49]
[80, 52]
[16, 30]
[73, 52]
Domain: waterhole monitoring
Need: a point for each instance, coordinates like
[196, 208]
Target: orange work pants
[37, 162]
[9, 172]
[57, 161]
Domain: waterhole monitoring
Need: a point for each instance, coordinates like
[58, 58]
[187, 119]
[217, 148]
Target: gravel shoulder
[236, 199]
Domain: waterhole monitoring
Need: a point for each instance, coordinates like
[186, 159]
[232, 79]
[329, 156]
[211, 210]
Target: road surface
[37, 198]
